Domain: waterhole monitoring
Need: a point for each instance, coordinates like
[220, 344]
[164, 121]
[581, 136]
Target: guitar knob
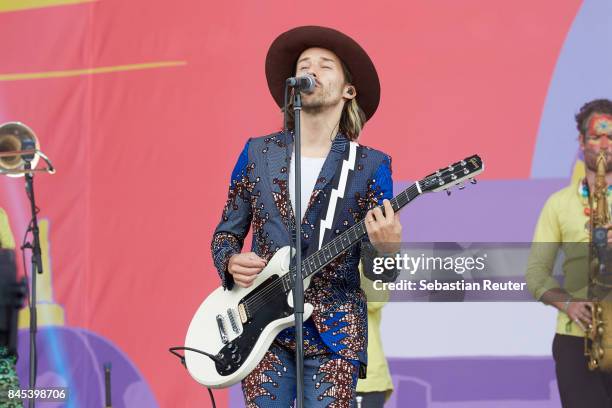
[461, 186]
[448, 192]
[473, 181]
[236, 358]
[232, 347]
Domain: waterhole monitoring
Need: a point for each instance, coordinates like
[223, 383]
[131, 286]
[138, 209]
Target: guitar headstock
[454, 174]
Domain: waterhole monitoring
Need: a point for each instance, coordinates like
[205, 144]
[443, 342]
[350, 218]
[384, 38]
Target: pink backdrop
[144, 154]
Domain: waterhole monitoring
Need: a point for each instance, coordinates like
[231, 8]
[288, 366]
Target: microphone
[28, 144]
[305, 83]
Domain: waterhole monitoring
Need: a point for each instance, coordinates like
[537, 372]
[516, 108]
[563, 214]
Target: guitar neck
[315, 262]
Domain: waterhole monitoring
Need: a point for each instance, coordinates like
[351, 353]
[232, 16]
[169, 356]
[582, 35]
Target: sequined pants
[329, 381]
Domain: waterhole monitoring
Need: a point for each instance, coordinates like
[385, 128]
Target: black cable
[212, 397]
[173, 350]
[212, 357]
[24, 246]
[25, 271]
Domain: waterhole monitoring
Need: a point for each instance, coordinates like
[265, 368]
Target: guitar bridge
[222, 331]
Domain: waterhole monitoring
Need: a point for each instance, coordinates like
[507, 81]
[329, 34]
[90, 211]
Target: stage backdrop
[144, 106]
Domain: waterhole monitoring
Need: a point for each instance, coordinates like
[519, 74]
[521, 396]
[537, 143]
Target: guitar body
[238, 334]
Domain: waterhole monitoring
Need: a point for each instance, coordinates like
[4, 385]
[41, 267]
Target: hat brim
[287, 47]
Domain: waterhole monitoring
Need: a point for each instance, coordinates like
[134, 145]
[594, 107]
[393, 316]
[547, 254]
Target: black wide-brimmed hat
[287, 47]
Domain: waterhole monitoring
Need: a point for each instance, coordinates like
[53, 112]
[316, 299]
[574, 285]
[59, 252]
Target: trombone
[20, 151]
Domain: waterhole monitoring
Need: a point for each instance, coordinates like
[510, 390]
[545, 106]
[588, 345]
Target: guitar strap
[332, 204]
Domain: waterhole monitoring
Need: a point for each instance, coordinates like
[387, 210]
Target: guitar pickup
[222, 331]
[232, 319]
[242, 312]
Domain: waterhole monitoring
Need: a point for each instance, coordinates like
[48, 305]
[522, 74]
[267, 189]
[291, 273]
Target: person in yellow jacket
[377, 387]
[8, 374]
[564, 226]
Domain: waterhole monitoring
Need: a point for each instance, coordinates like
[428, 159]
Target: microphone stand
[36, 260]
[298, 285]
[107, 386]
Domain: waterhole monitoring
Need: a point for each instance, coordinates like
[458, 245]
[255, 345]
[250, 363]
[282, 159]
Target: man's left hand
[384, 230]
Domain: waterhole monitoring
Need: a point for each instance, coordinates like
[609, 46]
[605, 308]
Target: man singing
[261, 196]
[565, 220]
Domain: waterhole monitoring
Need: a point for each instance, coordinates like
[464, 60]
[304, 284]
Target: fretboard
[316, 261]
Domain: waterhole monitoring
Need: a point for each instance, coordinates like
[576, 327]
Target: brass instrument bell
[20, 150]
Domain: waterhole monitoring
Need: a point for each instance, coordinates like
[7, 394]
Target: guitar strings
[261, 298]
[258, 300]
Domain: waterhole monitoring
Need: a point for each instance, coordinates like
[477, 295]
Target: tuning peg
[461, 186]
[448, 192]
[473, 181]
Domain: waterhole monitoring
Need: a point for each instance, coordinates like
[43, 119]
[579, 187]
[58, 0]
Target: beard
[318, 101]
[590, 160]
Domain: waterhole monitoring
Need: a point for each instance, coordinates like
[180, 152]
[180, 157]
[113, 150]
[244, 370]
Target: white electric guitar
[232, 329]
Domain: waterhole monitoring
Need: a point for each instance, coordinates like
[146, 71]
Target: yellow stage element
[14, 5]
[7, 241]
[90, 71]
[48, 312]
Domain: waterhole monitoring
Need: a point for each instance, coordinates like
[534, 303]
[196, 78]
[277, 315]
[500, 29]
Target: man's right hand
[245, 267]
[580, 313]
[578, 310]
